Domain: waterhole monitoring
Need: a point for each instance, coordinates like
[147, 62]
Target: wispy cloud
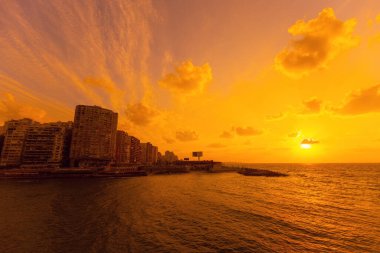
[11, 109]
[80, 51]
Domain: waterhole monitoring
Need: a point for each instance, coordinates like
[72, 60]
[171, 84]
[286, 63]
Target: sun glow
[305, 146]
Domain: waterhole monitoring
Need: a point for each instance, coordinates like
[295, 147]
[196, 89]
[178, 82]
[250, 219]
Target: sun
[305, 146]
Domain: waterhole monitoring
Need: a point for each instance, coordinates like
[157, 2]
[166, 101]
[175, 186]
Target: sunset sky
[242, 81]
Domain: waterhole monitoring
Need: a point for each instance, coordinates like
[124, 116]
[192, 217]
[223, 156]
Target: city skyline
[244, 81]
[90, 141]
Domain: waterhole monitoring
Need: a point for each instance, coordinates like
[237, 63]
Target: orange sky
[243, 81]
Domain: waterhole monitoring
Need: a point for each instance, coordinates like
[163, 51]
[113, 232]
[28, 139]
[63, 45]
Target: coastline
[47, 173]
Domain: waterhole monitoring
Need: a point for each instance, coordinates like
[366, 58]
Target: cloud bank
[316, 42]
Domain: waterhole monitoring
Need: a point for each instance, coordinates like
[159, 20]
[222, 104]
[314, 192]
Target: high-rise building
[154, 154]
[148, 153]
[15, 132]
[123, 148]
[135, 150]
[46, 145]
[94, 136]
[2, 130]
[145, 152]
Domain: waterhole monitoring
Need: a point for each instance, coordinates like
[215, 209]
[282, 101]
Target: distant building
[148, 153]
[2, 130]
[94, 137]
[123, 148]
[135, 150]
[154, 154]
[46, 145]
[14, 140]
[168, 157]
[2, 137]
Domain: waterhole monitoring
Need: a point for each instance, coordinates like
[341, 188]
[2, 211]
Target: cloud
[361, 102]
[226, 134]
[186, 135]
[102, 83]
[316, 42]
[168, 140]
[309, 141]
[294, 134]
[187, 78]
[312, 105]
[11, 109]
[247, 131]
[140, 114]
[274, 117]
[216, 145]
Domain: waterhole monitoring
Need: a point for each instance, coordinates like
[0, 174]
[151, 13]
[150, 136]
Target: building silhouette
[14, 140]
[148, 153]
[168, 157]
[2, 137]
[91, 141]
[135, 150]
[123, 148]
[94, 137]
[46, 145]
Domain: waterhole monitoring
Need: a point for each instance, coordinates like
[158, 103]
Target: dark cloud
[187, 78]
[315, 43]
[361, 102]
[247, 131]
[140, 114]
[186, 135]
[309, 141]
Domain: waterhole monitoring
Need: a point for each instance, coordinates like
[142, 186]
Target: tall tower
[93, 140]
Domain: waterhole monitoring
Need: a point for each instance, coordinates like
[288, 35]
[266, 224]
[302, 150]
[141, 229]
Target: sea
[317, 208]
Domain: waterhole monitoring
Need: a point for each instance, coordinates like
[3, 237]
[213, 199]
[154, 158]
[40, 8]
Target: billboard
[197, 154]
